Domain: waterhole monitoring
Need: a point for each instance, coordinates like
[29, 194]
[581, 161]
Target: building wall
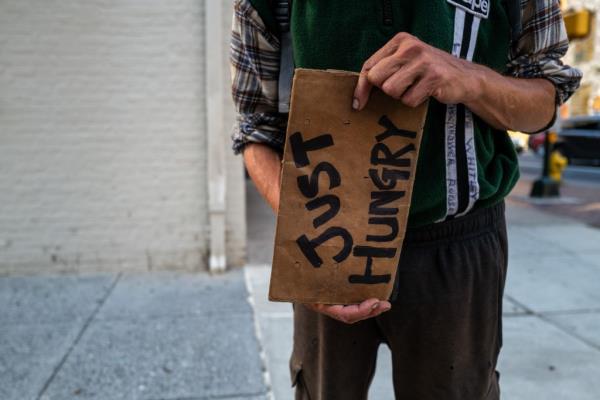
[584, 55]
[102, 142]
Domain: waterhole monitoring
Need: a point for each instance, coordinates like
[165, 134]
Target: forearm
[412, 71]
[526, 105]
[264, 167]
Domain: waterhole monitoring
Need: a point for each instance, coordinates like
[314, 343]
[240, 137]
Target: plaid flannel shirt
[254, 58]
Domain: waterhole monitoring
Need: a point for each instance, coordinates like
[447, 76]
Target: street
[580, 191]
[531, 165]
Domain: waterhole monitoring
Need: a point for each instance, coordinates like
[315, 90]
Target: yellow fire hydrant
[557, 165]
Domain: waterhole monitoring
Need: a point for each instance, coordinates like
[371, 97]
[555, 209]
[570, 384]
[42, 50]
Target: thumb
[361, 92]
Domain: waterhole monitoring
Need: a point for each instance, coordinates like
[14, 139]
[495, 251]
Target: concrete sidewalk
[155, 336]
[552, 309]
[176, 336]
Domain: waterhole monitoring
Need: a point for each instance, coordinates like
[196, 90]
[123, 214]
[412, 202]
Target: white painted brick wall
[101, 135]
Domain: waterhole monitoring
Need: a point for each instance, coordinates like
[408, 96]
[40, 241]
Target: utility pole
[546, 186]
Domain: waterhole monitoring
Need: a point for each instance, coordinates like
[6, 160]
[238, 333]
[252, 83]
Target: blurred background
[126, 219]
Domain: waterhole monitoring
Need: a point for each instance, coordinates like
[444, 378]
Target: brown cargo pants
[444, 329]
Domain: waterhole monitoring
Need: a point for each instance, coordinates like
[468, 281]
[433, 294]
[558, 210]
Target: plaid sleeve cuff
[541, 45]
[263, 128]
[566, 79]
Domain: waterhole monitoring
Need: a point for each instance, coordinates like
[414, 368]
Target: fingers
[384, 69]
[363, 87]
[353, 313]
[361, 92]
[417, 94]
[393, 68]
[397, 84]
[382, 72]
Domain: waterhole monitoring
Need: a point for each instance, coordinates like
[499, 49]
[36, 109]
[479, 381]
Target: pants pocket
[301, 391]
[295, 371]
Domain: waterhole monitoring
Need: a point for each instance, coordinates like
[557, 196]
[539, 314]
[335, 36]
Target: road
[531, 165]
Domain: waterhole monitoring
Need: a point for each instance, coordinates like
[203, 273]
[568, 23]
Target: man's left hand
[351, 314]
[412, 71]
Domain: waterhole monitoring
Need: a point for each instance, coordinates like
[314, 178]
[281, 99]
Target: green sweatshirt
[464, 164]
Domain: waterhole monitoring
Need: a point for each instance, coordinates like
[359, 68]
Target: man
[486, 66]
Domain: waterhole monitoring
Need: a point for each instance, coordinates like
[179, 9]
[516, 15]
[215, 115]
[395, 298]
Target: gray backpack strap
[282, 11]
[513, 8]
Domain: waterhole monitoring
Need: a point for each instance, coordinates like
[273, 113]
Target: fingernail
[374, 306]
[355, 104]
[387, 308]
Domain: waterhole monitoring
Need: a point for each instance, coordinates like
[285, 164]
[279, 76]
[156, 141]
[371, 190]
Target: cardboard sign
[345, 192]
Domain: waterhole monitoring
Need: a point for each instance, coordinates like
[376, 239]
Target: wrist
[475, 86]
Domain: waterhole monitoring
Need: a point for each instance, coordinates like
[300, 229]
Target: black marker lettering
[389, 178]
[371, 252]
[392, 222]
[389, 158]
[380, 199]
[310, 187]
[392, 130]
[328, 200]
[308, 246]
[300, 148]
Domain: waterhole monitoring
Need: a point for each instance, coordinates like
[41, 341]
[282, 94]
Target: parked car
[579, 139]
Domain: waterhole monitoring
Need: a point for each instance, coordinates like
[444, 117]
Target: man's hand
[353, 313]
[412, 71]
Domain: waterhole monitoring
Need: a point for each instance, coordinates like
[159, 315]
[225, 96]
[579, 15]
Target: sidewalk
[155, 336]
[552, 309]
[579, 200]
[176, 336]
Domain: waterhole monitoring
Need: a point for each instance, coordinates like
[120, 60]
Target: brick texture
[101, 136]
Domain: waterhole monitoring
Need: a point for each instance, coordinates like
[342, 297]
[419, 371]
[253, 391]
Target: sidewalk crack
[82, 331]
[546, 318]
[574, 335]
